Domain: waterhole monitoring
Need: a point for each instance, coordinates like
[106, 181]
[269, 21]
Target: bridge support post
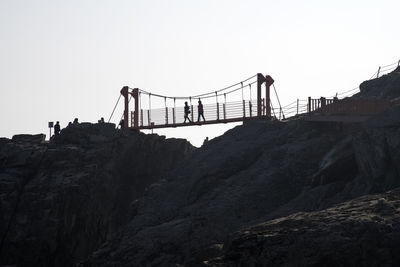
[268, 82]
[135, 95]
[125, 94]
[224, 110]
[250, 111]
[260, 81]
[217, 111]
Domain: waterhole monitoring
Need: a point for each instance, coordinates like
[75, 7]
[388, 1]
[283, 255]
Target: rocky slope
[253, 174]
[289, 193]
[60, 201]
[361, 232]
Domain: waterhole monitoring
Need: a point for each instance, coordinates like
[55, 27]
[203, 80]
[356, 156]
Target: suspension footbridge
[244, 100]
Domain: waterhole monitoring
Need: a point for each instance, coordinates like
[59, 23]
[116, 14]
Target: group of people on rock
[57, 127]
[200, 112]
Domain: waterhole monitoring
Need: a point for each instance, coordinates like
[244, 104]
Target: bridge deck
[195, 123]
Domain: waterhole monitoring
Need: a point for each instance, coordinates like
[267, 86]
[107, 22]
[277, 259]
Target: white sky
[65, 59]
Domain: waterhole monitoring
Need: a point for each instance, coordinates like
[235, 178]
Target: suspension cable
[116, 104]
[272, 107]
[279, 102]
[205, 95]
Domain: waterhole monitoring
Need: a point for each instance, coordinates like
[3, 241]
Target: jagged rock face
[254, 173]
[361, 232]
[60, 201]
[386, 86]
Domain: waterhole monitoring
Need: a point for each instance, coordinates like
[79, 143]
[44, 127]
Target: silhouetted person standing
[121, 124]
[200, 111]
[57, 128]
[187, 112]
[205, 141]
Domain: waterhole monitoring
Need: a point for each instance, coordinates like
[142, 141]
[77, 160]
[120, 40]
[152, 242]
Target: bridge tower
[268, 82]
[135, 95]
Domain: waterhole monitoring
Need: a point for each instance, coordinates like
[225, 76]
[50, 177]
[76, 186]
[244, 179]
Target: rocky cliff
[267, 193]
[264, 173]
[60, 200]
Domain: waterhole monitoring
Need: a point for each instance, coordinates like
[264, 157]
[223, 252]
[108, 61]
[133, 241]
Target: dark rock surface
[60, 201]
[361, 232]
[386, 86]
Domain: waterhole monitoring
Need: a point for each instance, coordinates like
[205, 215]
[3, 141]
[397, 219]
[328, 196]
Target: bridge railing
[212, 112]
[356, 106]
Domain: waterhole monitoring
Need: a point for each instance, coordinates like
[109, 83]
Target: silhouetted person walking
[57, 128]
[187, 112]
[200, 111]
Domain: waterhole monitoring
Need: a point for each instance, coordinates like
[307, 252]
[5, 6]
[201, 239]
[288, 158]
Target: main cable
[112, 113]
[205, 95]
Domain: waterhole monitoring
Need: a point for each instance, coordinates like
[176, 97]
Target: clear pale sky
[65, 59]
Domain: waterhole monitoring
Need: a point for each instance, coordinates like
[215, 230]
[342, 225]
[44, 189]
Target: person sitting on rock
[187, 112]
[76, 121]
[57, 128]
[101, 120]
[200, 111]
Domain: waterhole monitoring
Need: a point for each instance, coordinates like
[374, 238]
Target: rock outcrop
[59, 201]
[361, 232]
[386, 86]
